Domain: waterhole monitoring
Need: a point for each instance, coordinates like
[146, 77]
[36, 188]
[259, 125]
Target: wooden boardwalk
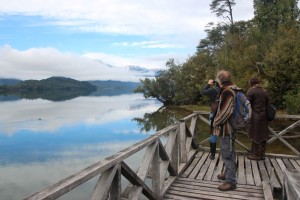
[199, 180]
[176, 166]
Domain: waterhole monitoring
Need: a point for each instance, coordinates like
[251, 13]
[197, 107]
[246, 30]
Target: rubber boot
[213, 147]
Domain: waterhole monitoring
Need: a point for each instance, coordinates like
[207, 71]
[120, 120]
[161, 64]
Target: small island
[53, 88]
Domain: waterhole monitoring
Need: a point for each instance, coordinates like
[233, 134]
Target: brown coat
[221, 125]
[258, 98]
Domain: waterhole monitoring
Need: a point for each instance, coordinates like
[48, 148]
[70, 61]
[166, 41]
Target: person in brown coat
[222, 127]
[258, 130]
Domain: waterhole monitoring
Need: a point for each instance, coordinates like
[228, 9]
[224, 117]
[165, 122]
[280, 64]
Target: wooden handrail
[173, 157]
[280, 135]
[161, 163]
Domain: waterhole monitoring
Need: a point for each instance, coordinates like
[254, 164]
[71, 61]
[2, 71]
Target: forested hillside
[53, 88]
[267, 46]
[49, 84]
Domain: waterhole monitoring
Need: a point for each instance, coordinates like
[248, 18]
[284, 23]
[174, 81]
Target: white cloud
[39, 63]
[136, 17]
[150, 62]
[149, 44]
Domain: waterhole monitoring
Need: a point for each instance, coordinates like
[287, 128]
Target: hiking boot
[227, 186]
[254, 157]
[221, 176]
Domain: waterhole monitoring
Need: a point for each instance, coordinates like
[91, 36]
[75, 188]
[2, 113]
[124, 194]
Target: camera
[214, 82]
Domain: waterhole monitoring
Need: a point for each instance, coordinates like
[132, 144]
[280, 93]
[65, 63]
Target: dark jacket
[258, 98]
[212, 93]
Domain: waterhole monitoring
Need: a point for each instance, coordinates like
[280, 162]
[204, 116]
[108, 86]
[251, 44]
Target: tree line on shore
[266, 46]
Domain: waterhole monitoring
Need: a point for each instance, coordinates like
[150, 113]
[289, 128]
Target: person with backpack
[212, 90]
[222, 127]
[258, 131]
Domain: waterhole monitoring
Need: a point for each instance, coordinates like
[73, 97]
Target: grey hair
[224, 76]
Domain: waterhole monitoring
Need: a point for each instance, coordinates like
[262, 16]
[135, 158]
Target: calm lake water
[42, 142]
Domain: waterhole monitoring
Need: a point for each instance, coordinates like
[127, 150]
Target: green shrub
[292, 103]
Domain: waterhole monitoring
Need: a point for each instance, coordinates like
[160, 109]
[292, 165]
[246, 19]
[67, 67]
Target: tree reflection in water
[163, 117]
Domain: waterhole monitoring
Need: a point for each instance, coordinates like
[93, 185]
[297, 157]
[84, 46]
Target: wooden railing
[161, 163]
[166, 154]
[273, 135]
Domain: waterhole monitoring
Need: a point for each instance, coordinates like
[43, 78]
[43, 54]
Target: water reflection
[42, 141]
[161, 118]
[46, 116]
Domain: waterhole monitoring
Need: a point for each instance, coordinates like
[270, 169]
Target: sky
[101, 39]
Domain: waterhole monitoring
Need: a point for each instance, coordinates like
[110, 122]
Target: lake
[42, 141]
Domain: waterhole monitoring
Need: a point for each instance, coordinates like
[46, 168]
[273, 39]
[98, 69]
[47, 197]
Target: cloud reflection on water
[42, 142]
[46, 116]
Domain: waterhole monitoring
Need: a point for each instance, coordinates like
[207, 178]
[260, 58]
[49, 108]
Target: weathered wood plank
[193, 125]
[204, 169]
[206, 193]
[277, 170]
[275, 181]
[219, 168]
[212, 185]
[249, 173]
[196, 170]
[182, 142]
[165, 165]
[287, 163]
[187, 172]
[101, 189]
[170, 143]
[211, 168]
[241, 170]
[115, 189]
[256, 175]
[156, 175]
[298, 161]
[267, 191]
[281, 164]
[295, 164]
[284, 131]
[167, 184]
[135, 180]
[263, 171]
[132, 191]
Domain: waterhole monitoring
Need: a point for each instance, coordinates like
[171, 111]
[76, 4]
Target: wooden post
[156, 173]
[115, 191]
[182, 133]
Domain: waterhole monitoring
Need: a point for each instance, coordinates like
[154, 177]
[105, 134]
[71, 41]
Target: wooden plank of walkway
[199, 181]
[187, 188]
[241, 170]
[275, 182]
[249, 173]
[256, 175]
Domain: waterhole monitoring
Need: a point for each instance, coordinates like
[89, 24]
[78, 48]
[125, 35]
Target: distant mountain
[9, 81]
[61, 88]
[53, 83]
[111, 88]
[53, 88]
